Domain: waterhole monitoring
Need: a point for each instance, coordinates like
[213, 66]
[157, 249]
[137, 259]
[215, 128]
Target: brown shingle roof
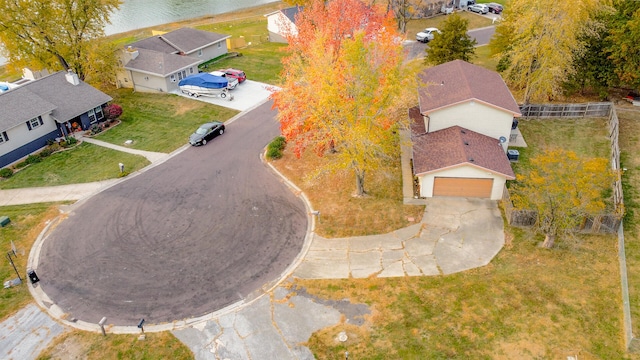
[456, 146]
[459, 81]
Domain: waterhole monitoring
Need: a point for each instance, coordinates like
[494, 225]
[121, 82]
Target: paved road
[203, 230]
[417, 49]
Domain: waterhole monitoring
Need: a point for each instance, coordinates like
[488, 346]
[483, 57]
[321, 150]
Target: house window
[219, 45]
[99, 113]
[200, 52]
[191, 70]
[3, 137]
[173, 78]
[179, 76]
[95, 115]
[184, 73]
[34, 123]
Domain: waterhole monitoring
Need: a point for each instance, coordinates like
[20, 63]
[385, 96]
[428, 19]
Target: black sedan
[206, 132]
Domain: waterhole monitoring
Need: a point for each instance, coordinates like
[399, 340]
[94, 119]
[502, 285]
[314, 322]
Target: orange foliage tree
[344, 92]
[563, 189]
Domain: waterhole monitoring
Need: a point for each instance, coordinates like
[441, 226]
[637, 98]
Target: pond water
[137, 14]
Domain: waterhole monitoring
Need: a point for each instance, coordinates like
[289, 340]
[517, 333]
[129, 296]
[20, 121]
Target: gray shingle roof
[184, 40]
[158, 63]
[53, 94]
[459, 81]
[291, 12]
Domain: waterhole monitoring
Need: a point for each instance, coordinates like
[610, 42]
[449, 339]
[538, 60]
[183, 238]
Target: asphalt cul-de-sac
[183, 239]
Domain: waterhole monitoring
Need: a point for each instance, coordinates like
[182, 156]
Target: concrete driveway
[245, 96]
[455, 234]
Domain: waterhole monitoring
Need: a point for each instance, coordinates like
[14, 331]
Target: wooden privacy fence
[604, 223]
[602, 109]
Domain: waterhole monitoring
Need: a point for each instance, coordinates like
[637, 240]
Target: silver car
[479, 8]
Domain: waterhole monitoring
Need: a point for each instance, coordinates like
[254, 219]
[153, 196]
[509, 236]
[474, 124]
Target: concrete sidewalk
[153, 157]
[74, 192]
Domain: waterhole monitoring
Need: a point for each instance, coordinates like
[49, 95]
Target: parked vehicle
[206, 132]
[427, 34]
[232, 82]
[235, 73]
[204, 84]
[495, 8]
[479, 8]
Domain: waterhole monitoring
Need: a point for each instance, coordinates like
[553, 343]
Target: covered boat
[204, 84]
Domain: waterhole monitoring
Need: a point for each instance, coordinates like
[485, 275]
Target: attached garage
[462, 187]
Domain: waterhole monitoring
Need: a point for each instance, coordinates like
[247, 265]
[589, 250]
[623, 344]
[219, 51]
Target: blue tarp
[205, 80]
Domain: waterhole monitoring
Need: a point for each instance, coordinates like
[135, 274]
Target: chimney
[72, 77]
[132, 53]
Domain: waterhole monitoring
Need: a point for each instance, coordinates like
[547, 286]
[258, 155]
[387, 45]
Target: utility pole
[14, 265]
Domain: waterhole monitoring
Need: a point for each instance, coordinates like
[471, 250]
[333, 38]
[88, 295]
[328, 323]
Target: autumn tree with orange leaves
[344, 92]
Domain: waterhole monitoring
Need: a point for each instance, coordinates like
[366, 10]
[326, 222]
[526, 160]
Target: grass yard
[529, 303]
[630, 148]
[343, 215]
[160, 122]
[476, 21]
[27, 221]
[88, 345]
[587, 137]
[81, 164]
[261, 62]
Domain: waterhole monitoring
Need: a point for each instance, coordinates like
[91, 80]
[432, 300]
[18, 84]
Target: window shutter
[40, 120]
[29, 125]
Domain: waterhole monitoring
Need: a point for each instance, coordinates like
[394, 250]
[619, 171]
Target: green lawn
[261, 62]
[416, 25]
[81, 164]
[160, 122]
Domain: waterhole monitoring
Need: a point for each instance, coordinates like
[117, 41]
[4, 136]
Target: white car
[427, 34]
[233, 82]
[479, 8]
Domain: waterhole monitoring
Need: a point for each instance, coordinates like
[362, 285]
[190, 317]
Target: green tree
[453, 44]
[53, 34]
[343, 91]
[563, 189]
[539, 40]
[624, 51]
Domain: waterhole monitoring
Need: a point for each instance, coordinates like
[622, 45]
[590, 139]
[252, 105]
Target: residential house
[158, 63]
[460, 131]
[282, 23]
[45, 109]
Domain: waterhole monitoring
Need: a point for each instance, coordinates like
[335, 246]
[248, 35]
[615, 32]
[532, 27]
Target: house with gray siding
[158, 63]
[45, 109]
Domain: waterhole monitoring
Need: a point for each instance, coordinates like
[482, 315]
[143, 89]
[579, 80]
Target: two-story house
[460, 131]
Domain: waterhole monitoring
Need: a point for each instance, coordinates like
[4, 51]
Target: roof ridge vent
[471, 160]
